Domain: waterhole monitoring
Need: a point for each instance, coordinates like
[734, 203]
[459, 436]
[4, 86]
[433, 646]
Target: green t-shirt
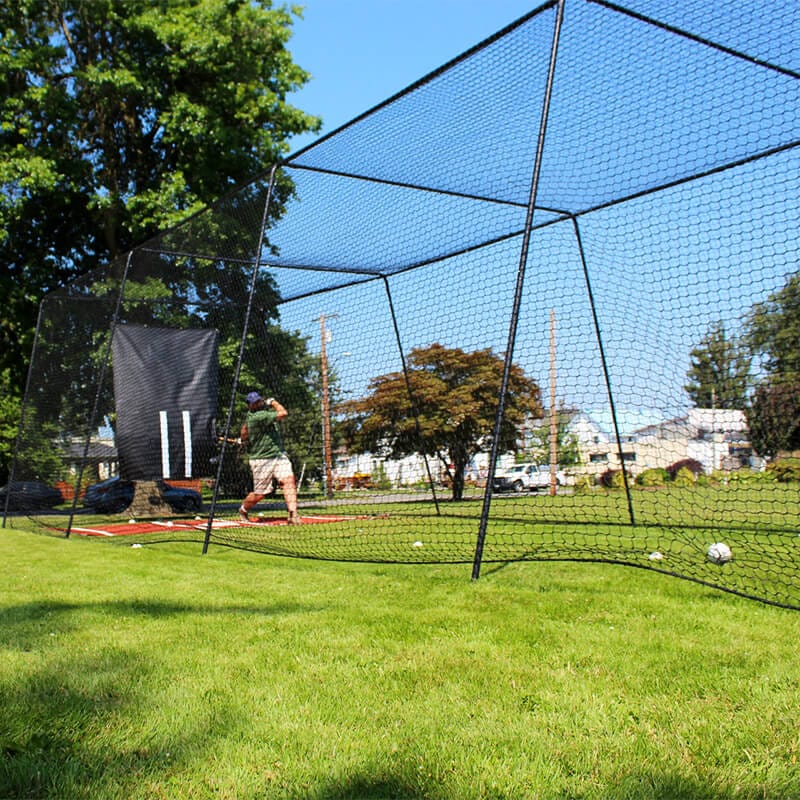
[263, 436]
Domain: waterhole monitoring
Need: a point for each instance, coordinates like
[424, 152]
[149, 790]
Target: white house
[717, 438]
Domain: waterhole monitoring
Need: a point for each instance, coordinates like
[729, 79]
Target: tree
[567, 446]
[9, 422]
[774, 330]
[117, 120]
[718, 376]
[455, 395]
[773, 416]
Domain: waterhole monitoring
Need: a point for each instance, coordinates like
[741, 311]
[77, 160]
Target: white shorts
[265, 469]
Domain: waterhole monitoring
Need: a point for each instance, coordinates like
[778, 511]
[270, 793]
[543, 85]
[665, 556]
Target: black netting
[399, 255]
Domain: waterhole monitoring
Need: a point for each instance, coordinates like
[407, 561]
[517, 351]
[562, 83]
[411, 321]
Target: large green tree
[119, 118]
[718, 375]
[773, 418]
[449, 412]
[774, 337]
[774, 330]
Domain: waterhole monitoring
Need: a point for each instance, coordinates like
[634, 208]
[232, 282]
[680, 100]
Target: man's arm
[278, 408]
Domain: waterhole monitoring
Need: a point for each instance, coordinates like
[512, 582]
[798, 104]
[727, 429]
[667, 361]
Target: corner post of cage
[604, 363]
[521, 269]
[411, 397]
[90, 422]
[25, 397]
[242, 345]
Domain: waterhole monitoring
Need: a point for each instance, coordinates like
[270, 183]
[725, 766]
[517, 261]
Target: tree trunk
[148, 501]
[459, 469]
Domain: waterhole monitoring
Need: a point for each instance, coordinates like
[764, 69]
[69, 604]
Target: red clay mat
[161, 526]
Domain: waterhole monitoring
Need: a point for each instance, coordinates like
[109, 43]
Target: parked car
[29, 496]
[527, 477]
[114, 495]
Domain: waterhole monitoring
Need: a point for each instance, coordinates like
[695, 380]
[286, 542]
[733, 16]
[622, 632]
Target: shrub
[612, 479]
[719, 476]
[684, 477]
[692, 464]
[380, 480]
[747, 475]
[785, 470]
[583, 483]
[653, 477]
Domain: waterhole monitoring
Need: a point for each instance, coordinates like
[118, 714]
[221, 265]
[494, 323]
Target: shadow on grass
[25, 626]
[64, 731]
[62, 725]
[636, 786]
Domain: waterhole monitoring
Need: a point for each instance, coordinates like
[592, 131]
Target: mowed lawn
[157, 672]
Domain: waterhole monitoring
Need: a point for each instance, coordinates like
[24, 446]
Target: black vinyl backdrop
[165, 385]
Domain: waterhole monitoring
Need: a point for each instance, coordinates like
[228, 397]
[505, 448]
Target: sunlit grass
[158, 672]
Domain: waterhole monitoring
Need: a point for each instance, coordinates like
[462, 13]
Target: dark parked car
[114, 495]
[29, 496]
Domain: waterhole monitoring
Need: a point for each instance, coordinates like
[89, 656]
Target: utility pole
[326, 410]
[713, 428]
[553, 410]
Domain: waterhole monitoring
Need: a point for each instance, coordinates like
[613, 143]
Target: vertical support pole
[25, 396]
[713, 429]
[240, 358]
[523, 260]
[90, 423]
[326, 411]
[553, 410]
[414, 407]
[603, 361]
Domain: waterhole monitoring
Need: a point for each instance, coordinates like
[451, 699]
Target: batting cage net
[542, 305]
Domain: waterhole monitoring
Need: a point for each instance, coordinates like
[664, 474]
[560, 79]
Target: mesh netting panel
[376, 282]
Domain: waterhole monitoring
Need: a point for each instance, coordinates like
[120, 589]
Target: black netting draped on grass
[586, 198]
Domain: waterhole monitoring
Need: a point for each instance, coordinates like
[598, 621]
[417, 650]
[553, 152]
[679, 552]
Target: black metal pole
[523, 260]
[23, 408]
[414, 407]
[604, 362]
[100, 381]
[242, 345]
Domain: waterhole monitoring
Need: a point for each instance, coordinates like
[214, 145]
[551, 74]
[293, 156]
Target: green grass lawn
[157, 672]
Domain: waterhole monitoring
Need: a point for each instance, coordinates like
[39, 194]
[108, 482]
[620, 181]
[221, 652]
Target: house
[595, 433]
[408, 471]
[99, 457]
[717, 438]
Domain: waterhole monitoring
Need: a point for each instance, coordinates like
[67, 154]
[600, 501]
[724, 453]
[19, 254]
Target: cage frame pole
[100, 384]
[242, 343]
[521, 270]
[411, 397]
[25, 398]
[604, 362]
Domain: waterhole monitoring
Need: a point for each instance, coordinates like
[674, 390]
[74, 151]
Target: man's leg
[252, 499]
[290, 495]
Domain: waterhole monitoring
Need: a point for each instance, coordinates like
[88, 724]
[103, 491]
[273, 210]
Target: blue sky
[360, 52]
[664, 269]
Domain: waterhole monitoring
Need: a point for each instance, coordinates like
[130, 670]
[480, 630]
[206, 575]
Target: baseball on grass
[719, 553]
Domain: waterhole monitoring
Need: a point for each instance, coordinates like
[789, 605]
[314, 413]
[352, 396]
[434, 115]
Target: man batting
[266, 454]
